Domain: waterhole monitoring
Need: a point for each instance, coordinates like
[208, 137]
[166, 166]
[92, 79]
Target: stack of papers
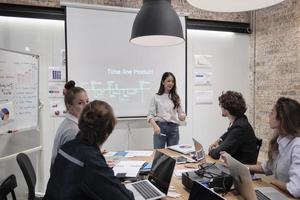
[129, 154]
[128, 168]
[182, 148]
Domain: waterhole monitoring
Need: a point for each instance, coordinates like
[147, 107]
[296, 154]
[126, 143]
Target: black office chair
[7, 186]
[258, 145]
[29, 175]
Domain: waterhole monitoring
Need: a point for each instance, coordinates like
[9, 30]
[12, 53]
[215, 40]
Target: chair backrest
[258, 145]
[7, 186]
[28, 172]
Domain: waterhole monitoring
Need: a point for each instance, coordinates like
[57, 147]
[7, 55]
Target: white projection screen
[103, 61]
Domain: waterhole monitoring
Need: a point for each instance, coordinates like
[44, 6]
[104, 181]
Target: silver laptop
[199, 151]
[159, 179]
[197, 155]
[244, 185]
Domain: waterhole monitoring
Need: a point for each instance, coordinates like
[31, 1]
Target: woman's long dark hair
[288, 114]
[173, 93]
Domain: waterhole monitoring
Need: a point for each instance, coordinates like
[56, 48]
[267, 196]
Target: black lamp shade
[157, 24]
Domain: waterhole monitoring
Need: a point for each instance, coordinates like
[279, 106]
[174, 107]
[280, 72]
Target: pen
[162, 134]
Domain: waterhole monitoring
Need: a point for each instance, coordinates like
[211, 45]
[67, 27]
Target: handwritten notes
[18, 90]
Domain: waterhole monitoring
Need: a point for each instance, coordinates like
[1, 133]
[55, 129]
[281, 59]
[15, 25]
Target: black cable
[217, 179]
[203, 170]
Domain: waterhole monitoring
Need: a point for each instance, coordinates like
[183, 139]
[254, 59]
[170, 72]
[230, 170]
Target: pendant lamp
[157, 24]
[232, 5]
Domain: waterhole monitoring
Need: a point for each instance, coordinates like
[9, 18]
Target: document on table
[128, 153]
[138, 153]
[179, 172]
[130, 168]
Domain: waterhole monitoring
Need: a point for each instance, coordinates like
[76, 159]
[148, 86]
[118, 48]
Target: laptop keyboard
[261, 196]
[146, 189]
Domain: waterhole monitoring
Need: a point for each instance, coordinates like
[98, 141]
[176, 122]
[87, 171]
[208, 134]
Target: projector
[221, 182]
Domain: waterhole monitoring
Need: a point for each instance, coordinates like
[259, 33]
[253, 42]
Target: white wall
[45, 38]
[230, 71]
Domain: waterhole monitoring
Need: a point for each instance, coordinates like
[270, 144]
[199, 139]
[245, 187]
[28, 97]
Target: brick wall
[277, 49]
[179, 5]
[46, 3]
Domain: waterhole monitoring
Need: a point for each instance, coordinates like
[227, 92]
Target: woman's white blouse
[286, 164]
[162, 109]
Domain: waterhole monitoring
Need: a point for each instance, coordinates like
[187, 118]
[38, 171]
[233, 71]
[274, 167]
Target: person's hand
[223, 156]
[214, 145]
[182, 117]
[279, 184]
[156, 129]
[110, 163]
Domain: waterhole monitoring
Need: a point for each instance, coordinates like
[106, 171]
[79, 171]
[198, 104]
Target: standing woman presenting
[75, 100]
[165, 113]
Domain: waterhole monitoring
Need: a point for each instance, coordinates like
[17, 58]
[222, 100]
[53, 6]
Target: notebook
[159, 179]
[200, 191]
[244, 185]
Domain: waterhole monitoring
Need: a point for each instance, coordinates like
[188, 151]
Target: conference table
[180, 188]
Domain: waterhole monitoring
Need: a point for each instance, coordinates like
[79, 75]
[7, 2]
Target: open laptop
[200, 191]
[187, 149]
[244, 185]
[198, 154]
[199, 151]
[159, 179]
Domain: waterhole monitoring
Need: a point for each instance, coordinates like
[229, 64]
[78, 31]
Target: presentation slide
[110, 68]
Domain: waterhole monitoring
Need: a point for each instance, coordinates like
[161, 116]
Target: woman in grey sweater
[75, 100]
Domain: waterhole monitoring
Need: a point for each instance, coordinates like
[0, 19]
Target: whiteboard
[103, 61]
[18, 91]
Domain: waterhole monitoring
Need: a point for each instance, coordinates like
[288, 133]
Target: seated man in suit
[239, 140]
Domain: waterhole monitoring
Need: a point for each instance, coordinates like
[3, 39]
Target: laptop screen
[162, 171]
[199, 152]
[199, 191]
